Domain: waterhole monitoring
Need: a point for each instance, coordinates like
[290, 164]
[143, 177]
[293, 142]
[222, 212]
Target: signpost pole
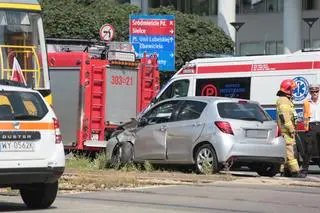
[144, 6]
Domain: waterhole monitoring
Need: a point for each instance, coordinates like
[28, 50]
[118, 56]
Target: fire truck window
[224, 87]
[176, 89]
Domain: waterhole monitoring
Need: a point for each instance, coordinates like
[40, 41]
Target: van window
[177, 88]
[224, 87]
[242, 111]
[21, 106]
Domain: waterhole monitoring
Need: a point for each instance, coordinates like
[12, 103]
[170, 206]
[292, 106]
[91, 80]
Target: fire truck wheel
[122, 155]
[39, 196]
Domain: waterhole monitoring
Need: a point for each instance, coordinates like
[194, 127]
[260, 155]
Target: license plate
[17, 146]
[255, 133]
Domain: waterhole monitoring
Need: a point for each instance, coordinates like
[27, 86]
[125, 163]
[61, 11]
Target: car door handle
[197, 124]
[163, 128]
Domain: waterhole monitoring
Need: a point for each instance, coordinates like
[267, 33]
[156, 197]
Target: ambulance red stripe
[258, 67]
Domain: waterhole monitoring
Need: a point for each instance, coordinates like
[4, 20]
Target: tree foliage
[83, 19]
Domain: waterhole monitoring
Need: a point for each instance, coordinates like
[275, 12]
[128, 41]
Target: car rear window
[21, 106]
[242, 111]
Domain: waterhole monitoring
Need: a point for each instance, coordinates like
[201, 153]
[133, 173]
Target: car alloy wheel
[206, 160]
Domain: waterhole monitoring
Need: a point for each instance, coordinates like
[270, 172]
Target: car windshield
[21, 106]
[242, 111]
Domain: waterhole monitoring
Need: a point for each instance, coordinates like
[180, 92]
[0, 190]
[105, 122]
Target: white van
[256, 78]
[31, 150]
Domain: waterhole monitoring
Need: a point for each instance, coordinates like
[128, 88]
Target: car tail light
[57, 132]
[224, 127]
[278, 132]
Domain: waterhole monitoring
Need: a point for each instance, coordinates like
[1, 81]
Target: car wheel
[122, 155]
[39, 196]
[268, 170]
[206, 160]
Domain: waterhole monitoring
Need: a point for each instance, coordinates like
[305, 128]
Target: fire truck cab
[97, 88]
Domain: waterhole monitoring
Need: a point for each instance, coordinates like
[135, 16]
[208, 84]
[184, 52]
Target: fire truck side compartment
[66, 101]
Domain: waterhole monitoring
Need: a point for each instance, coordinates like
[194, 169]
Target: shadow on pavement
[10, 207]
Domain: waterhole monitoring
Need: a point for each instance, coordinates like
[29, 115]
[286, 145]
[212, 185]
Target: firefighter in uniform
[286, 122]
[311, 117]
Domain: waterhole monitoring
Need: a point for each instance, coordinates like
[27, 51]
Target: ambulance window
[22, 106]
[224, 87]
[178, 88]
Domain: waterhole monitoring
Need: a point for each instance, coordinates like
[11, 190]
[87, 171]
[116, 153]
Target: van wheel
[268, 170]
[40, 195]
[206, 160]
[122, 155]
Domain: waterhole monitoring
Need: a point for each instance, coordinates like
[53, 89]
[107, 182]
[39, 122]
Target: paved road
[218, 198]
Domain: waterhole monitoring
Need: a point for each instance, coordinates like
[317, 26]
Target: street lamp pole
[310, 22]
[237, 26]
[144, 6]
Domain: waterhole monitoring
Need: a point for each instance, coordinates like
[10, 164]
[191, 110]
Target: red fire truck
[98, 88]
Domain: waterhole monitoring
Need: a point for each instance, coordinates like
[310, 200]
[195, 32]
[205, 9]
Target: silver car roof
[210, 99]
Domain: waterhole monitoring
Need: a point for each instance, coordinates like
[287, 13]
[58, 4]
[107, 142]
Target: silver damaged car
[200, 131]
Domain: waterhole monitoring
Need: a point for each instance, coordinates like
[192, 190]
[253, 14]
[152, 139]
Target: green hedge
[83, 19]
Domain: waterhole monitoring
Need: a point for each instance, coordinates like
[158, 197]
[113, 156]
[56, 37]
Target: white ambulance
[250, 77]
[31, 149]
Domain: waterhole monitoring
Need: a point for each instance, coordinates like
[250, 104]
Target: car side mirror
[143, 121]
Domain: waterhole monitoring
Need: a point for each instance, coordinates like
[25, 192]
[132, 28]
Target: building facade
[270, 26]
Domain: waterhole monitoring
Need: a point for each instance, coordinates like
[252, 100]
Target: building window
[199, 7]
[252, 48]
[274, 6]
[273, 47]
[311, 4]
[315, 43]
[259, 6]
[124, 1]
[261, 48]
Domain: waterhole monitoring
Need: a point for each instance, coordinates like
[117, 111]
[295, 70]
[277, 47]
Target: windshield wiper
[25, 116]
[250, 119]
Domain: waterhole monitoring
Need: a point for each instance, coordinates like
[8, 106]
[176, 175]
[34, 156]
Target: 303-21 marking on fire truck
[107, 32]
[121, 80]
